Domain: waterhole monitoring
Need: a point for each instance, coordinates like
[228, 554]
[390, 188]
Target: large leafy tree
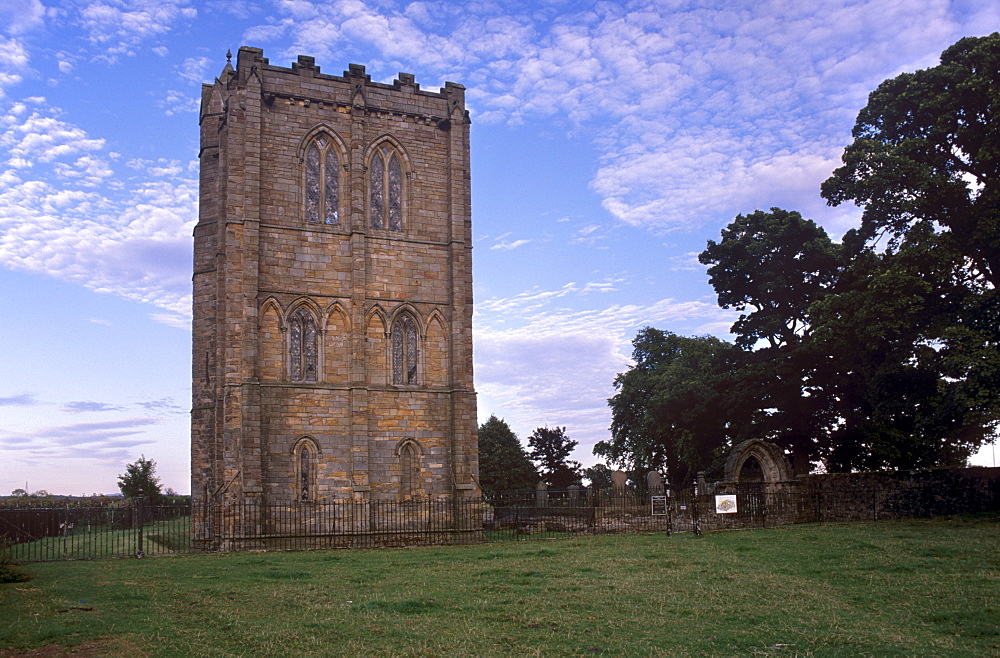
[140, 476]
[550, 450]
[926, 152]
[911, 383]
[924, 168]
[503, 463]
[678, 407]
[773, 266]
[776, 264]
[883, 351]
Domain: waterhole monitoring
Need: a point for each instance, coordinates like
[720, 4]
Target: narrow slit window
[331, 194]
[395, 195]
[312, 185]
[407, 470]
[304, 468]
[305, 461]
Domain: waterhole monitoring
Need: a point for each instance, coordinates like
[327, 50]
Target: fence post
[137, 511]
[694, 511]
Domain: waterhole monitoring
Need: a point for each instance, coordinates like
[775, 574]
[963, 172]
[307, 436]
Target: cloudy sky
[611, 140]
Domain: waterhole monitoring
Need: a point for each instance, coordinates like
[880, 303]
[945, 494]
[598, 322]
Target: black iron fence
[125, 528]
[256, 525]
[129, 528]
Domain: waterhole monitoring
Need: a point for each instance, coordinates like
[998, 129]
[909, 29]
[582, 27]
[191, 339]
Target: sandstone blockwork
[332, 346]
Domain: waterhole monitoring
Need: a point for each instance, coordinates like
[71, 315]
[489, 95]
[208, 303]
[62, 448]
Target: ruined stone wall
[294, 319]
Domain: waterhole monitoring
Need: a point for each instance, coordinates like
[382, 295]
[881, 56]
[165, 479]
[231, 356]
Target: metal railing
[125, 528]
[252, 524]
[136, 528]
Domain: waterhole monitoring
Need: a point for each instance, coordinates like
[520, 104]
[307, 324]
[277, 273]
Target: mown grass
[99, 542]
[894, 588]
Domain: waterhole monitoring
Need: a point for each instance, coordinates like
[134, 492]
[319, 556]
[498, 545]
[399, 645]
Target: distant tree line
[505, 464]
[878, 352]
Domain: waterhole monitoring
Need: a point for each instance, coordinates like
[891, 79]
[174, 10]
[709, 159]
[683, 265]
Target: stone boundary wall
[828, 498]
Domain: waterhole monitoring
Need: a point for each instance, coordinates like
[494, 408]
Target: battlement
[277, 81]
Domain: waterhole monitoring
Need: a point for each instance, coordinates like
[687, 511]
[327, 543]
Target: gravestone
[618, 479]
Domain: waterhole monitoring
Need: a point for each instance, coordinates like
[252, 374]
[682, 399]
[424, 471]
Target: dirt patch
[111, 647]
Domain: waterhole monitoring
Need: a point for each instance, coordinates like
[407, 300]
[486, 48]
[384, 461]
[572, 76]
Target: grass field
[908, 588]
[166, 536]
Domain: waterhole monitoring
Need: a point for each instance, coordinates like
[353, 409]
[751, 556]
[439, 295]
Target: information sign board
[725, 504]
[659, 505]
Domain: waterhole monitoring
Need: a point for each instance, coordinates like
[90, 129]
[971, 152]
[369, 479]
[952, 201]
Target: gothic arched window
[302, 347]
[404, 351]
[408, 470]
[385, 179]
[305, 458]
[322, 183]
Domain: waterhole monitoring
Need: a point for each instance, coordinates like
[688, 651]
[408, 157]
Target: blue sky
[611, 140]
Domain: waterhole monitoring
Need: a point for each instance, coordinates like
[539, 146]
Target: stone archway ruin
[757, 461]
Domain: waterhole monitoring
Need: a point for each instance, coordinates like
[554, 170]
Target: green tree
[912, 383]
[550, 450]
[776, 263]
[678, 407]
[503, 463]
[923, 167]
[140, 476]
[926, 152]
[599, 476]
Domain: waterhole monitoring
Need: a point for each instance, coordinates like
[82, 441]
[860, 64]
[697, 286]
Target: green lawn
[903, 588]
[98, 542]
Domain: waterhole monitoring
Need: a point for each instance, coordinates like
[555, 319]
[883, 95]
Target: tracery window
[322, 183]
[404, 351]
[385, 178]
[302, 347]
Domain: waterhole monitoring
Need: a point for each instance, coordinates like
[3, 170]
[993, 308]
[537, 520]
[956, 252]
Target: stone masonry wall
[259, 264]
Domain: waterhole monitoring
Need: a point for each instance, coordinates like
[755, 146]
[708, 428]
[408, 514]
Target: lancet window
[407, 470]
[305, 457]
[322, 183]
[404, 351]
[302, 347]
[385, 179]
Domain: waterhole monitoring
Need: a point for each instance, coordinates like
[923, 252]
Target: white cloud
[687, 262]
[705, 112]
[120, 26]
[41, 138]
[133, 239]
[176, 102]
[507, 246]
[540, 364]
[19, 16]
[13, 64]
[194, 69]
[108, 443]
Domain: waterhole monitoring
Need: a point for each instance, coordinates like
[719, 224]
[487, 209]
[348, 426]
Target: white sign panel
[659, 505]
[725, 504]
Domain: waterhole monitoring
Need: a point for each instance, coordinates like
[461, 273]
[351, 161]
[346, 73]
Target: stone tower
[332, 336]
